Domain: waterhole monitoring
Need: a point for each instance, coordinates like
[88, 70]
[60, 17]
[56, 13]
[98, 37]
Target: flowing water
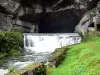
[37, 47]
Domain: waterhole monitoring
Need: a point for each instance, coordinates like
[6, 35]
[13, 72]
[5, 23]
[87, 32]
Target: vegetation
[11, 69]
[81, 59]
[10, 43]
[50, 69]
[58, 52]
[56, 57]
[30, 66]
[35, 68]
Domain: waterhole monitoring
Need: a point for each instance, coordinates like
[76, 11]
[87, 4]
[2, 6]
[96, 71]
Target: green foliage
[14, 53]
[50, 70]
[11, 69]
[2, 61]
[10, 44]
[81, 59]
[10, 41]
[2, 55]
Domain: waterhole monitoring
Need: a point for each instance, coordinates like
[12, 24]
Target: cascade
[49, 42]
[37, 47]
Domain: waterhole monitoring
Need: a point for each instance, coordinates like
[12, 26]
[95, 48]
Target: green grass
[81, 59]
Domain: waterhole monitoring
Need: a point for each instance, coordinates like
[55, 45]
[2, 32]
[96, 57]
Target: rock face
[90, 19]
[43, 16]
[9, 18]
[9, 5]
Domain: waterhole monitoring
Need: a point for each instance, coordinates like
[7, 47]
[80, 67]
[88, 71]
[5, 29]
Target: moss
[13, 71]
[39, 69]
[58, 52]
[30, 66]
[50, 70]
[18, 72]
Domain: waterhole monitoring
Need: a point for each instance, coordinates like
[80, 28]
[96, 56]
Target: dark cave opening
[60, 22]
[98, 27]
[91, 25]
[55, 22]
[3, 10]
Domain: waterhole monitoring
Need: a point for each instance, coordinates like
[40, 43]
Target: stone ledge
[57, 57]
[32, 69]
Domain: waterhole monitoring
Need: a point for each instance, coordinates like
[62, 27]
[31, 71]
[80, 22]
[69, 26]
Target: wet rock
[19, 8]
[90, 17]
[9, 5]
[11, 10]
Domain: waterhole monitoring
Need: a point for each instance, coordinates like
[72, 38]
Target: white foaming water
[49, 42]
[21, 64]
[3, 71]
[42, 45]
[16, 65]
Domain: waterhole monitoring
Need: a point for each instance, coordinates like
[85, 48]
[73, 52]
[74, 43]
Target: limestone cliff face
[9, 17]
[42, 15]
[90, 22]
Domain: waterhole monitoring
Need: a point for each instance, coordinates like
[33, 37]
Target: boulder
[90, 17]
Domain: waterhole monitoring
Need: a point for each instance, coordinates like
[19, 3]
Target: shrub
[10, 41]
[11, 69]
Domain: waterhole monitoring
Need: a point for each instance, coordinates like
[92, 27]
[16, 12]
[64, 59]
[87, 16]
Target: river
[37, 47]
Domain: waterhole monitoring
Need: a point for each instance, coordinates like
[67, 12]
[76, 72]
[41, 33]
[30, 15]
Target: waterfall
[49, 42]
[42, 45]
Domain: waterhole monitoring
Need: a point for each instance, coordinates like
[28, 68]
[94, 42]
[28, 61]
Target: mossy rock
[38, 68]
[57, 53]
[57, 57]
[18, 72]
[30, 66]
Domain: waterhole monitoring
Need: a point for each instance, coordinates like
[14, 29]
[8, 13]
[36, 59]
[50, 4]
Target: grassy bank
[81, 59]
[10, 44]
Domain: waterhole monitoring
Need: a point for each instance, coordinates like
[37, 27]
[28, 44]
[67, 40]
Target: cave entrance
[91, 25]
[98, 27]
[54, 22]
